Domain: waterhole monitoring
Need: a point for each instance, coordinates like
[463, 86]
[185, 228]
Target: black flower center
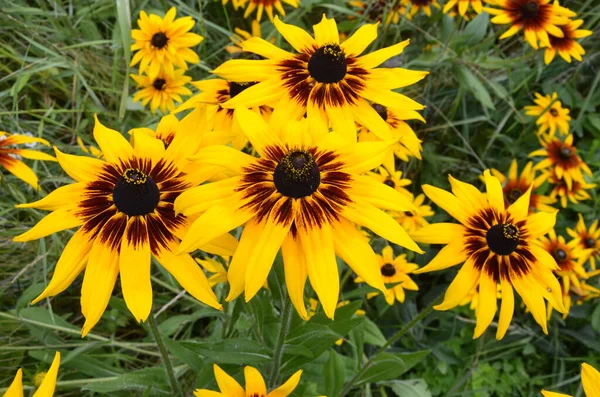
[554, 112]
[559, 255]
[389, 182]
[297, 175]
[236, 88]
[589, 242]
[381, 110]
[530, 10]
[159, 84]
[565, 152]
[503, 238]
[136, 193]
[159, 40]
[328, 64]
[388, 270]
[409, 214]
[514, 195]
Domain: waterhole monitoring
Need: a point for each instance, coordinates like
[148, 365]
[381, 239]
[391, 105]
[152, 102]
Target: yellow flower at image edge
[590, 379]
[303, 194]
[124, 205]
[10, 161]
[45, 389]
[566, 46]
[162, 43]
[497, 246]
[255, 385]
[327, 80]
[161, 91]
[416, 5]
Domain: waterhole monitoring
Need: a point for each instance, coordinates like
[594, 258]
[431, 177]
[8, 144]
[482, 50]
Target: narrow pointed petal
[296, 273]
[55, 221]
[16, 387]
[464, 282]
[114, 146]
[288, 387]
[48, 385]
[487, 305]
[255, 384]
[226, 383]
[506, 309]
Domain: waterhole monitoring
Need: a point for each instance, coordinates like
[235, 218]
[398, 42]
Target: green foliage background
[63, 61]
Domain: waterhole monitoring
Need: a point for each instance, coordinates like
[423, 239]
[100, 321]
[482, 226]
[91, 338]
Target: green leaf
[137, 380]
[373, 334]
[335, 374]
[476, 29]
[184, 354]
[596, 318]
[468, 81]
[410, 388]
[231, 351]
[391, 365]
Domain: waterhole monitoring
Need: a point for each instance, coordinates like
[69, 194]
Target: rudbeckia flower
[575, 192]
[377, 10]
[9, 156]
[162, 43]
[327, 80]
[304, 194]
[236, 3]
[267, 6]
[124, 207]
[241, 35]
[498, 246]
[413, 6]
[537, 18]
[391, 178]
[46, 387]
[563, 159]
[566, 46]
[463, 6]
[162, 90]
[588, 239]
[550, 115]
[590, 379]
[515, 185]
[255, 385]
[413, 220]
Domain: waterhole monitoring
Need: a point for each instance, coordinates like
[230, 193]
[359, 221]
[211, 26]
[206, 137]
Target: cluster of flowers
[319, 120]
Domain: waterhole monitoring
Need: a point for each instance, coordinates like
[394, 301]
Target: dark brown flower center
[159, 40]
[159, 84]
[388, 270]
[514, 195]
[328, 64]
[381, 110]
[136, 193]
[503, 238]
[559, 255]
[389, 182]
[530, 9]
[297, 175]
[589, 242]
[409, 214]
[236, 88]
[565, 152]
[554, 112]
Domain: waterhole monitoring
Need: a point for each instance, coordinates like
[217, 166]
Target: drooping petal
[21, 171]
[464, 282]
[590, 378]
[48, 385]
[448, 202]
[487, 304]
[506, 309]
[296, 273]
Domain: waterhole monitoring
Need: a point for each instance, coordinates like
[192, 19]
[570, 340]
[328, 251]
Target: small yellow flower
[10, 156]
[463, 6]
[392, 179]
[46, 381]
[380, 11]
[266, 6]
[413, 6]
[590, 379]
[162, 91]
[550, 115]
[415, 219]
[162, 43]
[575, 192]
[566, 46]
[588, 239]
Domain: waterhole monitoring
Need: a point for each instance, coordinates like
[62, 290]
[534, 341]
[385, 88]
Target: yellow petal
[228, 385]
[520, 208]
[146, 146]
[201, 198]
[266, 92]
[256, 130]
[380, 194]
[255, 384]
[378, 57]
[236, 275]
[464, 282]
[360, 40]
[34, 155]
[506, 309]
[62, 197]
[223, 156]
[487, 304]
[495, 195]
[590, 378]
[553, 394]
[529, 291]
[326, 32]
[297, 37]
[448, 202]
[48, 385]
[265, 49]
[540, 223]
[468, 194]
[288, 387]
[439, 233]
[296, 273]
[223, 245]
[55, 221]
[21, 171]
[451, 255]
[114, 146]
[16, 387]
[80, 168]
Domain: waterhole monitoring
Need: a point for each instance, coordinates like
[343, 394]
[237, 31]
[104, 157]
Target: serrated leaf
[391, 365]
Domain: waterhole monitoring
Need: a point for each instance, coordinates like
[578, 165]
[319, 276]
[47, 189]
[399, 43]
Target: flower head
[255, 385]
[162, 90]
[162, 43]
[575, 192]
[386, 11]
[498, 246]
[566, 46]
[326, 80]
[267, 6]
[550, 115]
[463, 6]
[396, 270]
[303, 194]
[124, 207]
[46, 386]
[413, 220]
[588, 240]
[413, 6]
[10, 156]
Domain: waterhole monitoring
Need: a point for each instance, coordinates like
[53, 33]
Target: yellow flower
[413, 6]
[563, 159]
[255, 385]
[393, 179]
[162, 91]
[124, 205]
[91, 149]
[566, 46]
[590, 379]
[236, 3]
[9, 156]
[377, 10]
[537, 18]
[241, 35]
[413, 220]
[162, 43]
[551, 115]
[267, 5]
[326, 80]
[213, 266]
[515, 185]
[304, 194]
[396, 270]
[588, 240]
[498, 246]
[463, 6]
[46, 387]
[576, 192]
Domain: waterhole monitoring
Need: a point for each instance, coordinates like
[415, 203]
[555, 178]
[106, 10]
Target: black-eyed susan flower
[462, 6]
[515, 185]
[413, 220]
[550, 115]
[241, 35]
[124, 207]
[569, 259]
[575, 192]
[163, 43]
[386, 11]
[413, 6]
[562, 158]
[396, 270]
[162, 90]
[304, 194]
[267, 6]
[391, 178]
[255, 385]
[537, 18]
[10, 156]
[590, 379]
[236, 3]
[498, 246]
[327, 80]
[588, 240]
[566, 46]
[214, 93]
[219, 273]
[46, 386]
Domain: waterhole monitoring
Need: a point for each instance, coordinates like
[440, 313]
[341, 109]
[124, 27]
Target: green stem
[424, 313]
[165, 356]
[283, 330]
